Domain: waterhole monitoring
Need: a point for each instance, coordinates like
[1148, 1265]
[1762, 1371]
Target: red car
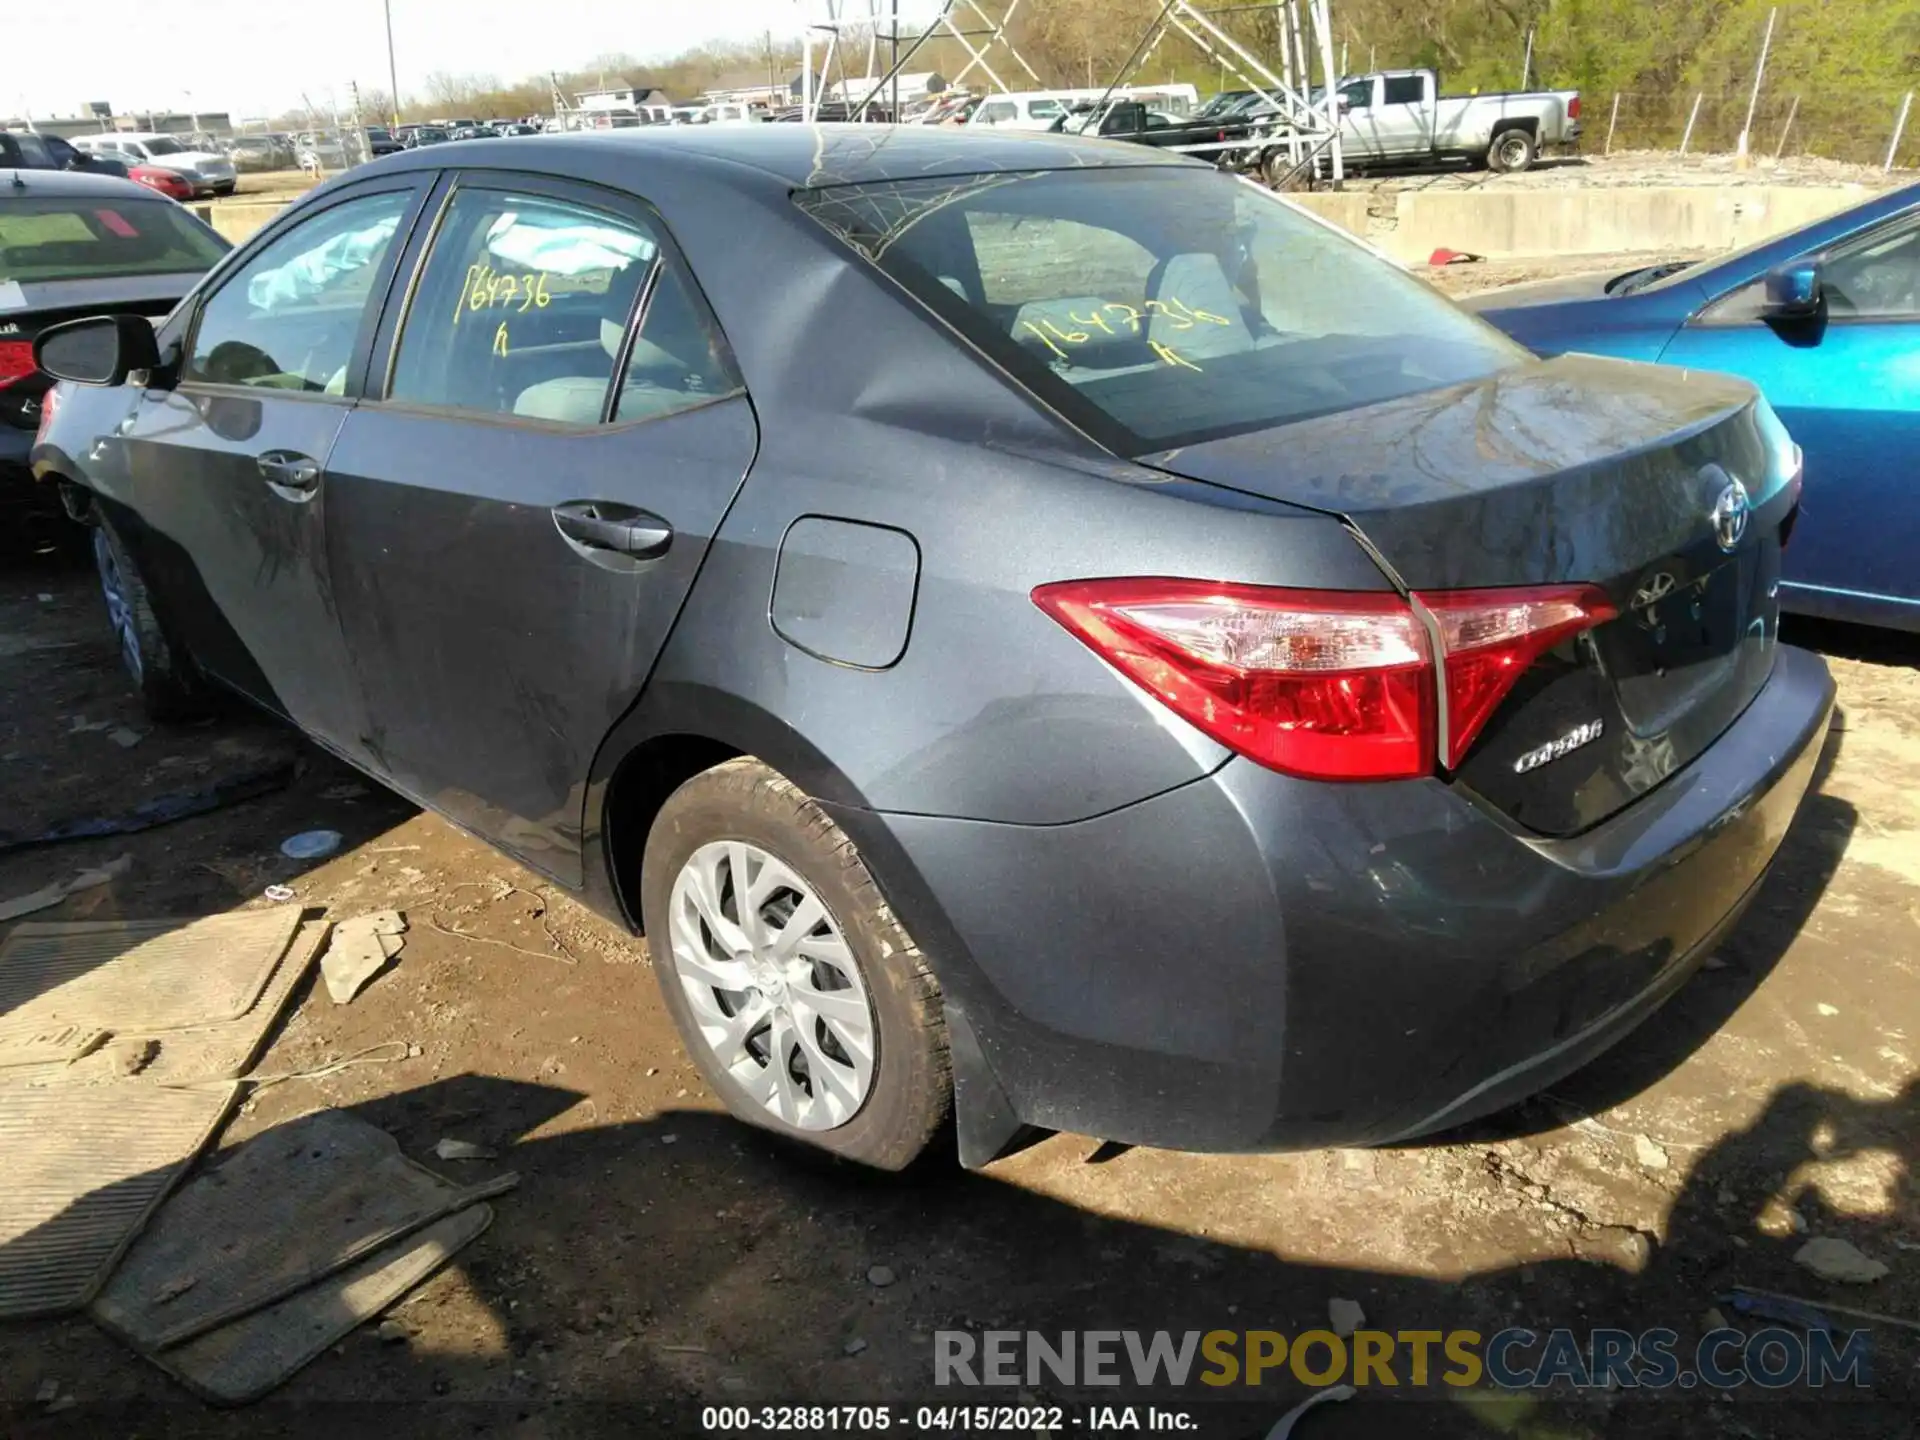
[169, 183]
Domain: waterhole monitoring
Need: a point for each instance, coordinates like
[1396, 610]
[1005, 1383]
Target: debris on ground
[1345, 1316]
[359, 950]
[311, 844]
[394, 1332]
[298, 1236]
[162, 809]
[1764, 1305]
[450, 1149]
[50, 895]
[125, 736]
[1650, 1153]
[1839, 1261]
[1743, 1298]
[853, 1346]
[880, 1276]
[279, 894]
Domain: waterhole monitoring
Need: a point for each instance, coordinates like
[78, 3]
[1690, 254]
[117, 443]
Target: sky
[255, 57]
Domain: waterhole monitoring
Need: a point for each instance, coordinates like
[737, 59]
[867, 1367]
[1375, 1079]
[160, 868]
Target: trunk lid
[1575, 470]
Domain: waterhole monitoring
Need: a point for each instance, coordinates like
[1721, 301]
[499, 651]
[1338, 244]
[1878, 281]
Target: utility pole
[1899, 129]
[393, 74]
[1526, 65]
[1792, 111]
[893, 35]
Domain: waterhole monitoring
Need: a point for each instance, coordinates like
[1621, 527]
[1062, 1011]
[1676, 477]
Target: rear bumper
[1254, 962]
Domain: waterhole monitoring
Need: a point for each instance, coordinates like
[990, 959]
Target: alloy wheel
[773, 986]
[113, 588]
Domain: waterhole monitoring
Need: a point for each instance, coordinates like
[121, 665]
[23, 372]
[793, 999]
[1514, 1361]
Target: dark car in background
[1177, 679]
[70, 245]
[1826, 321]
[24, 150]
[381, 141]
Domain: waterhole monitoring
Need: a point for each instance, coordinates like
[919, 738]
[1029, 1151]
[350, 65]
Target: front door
[228, 467]
[517, 512]
[1847, 385]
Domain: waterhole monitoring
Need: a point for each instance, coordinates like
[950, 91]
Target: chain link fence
[1836, 124]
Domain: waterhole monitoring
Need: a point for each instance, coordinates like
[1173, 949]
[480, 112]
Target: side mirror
[100, 350]
[1793, 291]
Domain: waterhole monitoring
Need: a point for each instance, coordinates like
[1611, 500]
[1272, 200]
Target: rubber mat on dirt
[85, 1166]
[279, 1212]
[244, 1360]
[177, 1057]
[139, 977]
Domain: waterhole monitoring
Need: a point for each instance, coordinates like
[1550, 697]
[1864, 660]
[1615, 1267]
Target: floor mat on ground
[85, 1166]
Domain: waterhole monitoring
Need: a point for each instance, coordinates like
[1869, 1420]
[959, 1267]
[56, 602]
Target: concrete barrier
[1603, 220]
[238, 219]
[1347, 208]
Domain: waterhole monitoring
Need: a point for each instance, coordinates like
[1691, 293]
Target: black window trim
[624, 205]
[292, 218]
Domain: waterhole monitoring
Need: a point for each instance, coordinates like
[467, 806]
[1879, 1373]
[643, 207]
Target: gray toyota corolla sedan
[1032, 629]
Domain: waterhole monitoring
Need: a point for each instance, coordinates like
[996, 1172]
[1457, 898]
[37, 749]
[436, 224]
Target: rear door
[1848, 388]
[519, 509]
[228, 467]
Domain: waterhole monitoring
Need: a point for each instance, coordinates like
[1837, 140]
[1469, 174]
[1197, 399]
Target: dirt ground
[657, 1254]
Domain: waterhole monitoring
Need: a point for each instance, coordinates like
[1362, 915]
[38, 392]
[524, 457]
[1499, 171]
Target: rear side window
[1404, 90]
[42, 240]
[524, 308]
[1161, 305]
[288, 318]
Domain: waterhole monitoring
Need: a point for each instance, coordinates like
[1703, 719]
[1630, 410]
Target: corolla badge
[1568, 743]
[1731, 511]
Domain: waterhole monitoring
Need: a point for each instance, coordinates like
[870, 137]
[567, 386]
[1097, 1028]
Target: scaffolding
[1289, 120]
[979, 27]
[1294, 135]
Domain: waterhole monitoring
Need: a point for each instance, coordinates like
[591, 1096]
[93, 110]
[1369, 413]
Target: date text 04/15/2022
[941, 1419]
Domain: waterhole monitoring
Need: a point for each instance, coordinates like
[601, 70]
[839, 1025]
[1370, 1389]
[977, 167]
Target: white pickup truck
[1399, 117]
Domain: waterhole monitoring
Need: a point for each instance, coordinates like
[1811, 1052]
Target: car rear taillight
[16, 361]
[1324, 684]
[1573, 108]
[1490, 637]
[49, 403]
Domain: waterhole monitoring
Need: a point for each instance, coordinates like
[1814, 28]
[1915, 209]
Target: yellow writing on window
[486, 289]
[500, 339]
[1172, 356]
[1117, 319]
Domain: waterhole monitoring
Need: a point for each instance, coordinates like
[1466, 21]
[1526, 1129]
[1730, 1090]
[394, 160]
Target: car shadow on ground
[681, 1262]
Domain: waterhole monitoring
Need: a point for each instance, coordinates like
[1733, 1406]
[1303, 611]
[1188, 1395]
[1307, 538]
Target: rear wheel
[1511, 152]
[169, 688]
[804, 1002]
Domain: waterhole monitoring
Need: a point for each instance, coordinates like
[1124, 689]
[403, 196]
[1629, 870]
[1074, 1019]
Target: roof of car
[70, 185]
[831, 154]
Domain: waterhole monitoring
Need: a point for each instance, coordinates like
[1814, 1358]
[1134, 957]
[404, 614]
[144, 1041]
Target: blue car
[1826, 321]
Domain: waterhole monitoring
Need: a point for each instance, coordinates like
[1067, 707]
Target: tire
[744, 816]
[1511, 152]
[170, 689]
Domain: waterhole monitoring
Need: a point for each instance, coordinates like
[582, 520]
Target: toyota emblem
[1730, 512]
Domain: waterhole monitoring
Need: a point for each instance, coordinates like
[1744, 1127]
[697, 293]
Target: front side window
[165, 147]
[1161, 306]
[1877, 278]
[523, 309]
[1358, 94]
[288, 318]
[996, 112]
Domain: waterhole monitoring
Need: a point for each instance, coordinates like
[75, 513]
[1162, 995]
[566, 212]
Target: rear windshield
[95, 238]
[1162, 306]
